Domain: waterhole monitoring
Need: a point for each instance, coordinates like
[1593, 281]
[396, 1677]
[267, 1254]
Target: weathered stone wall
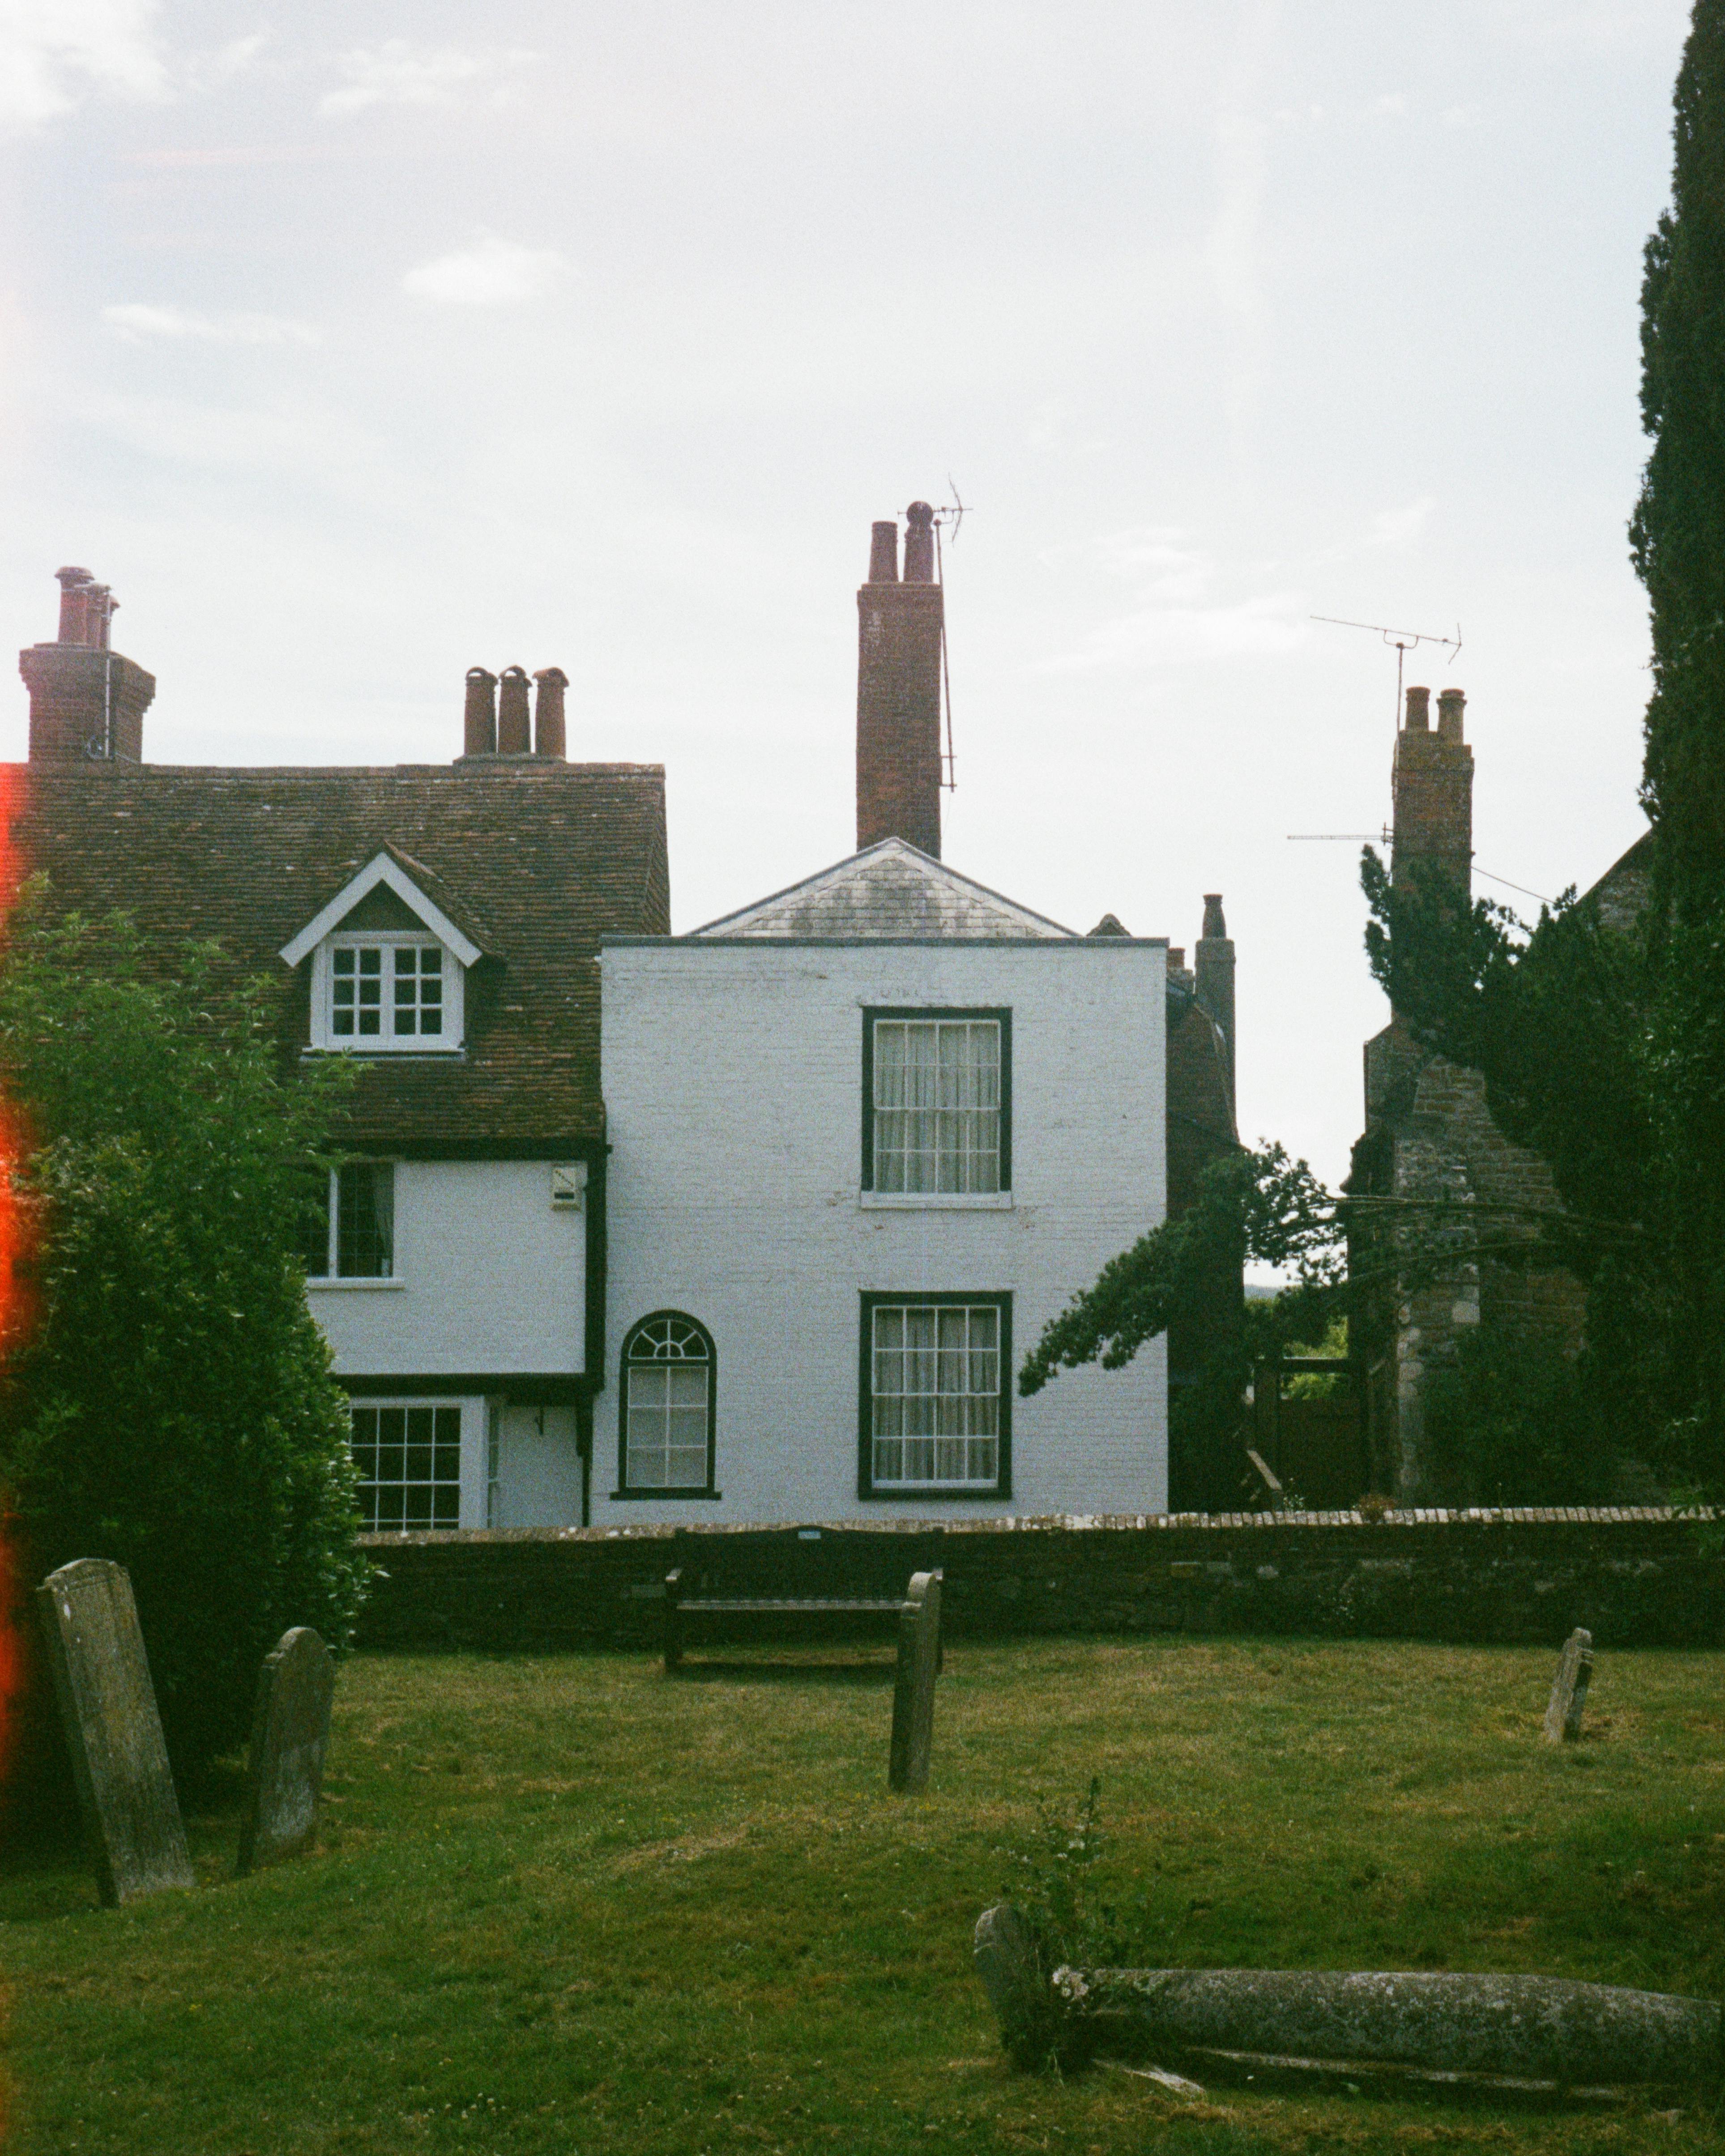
[1634, 1577]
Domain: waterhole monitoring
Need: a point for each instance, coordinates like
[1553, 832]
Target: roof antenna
[950, 513]
[1403, 639]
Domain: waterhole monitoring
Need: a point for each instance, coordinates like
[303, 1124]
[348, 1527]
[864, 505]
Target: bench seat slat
[761, 1602]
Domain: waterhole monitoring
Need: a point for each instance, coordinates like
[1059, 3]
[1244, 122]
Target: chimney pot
[479, 722]
[883, 554]
[549, 734]
[1452, 704]
[1418, 714]
[75, 584]
[514, 726]
[1215, 921]
[919, 544]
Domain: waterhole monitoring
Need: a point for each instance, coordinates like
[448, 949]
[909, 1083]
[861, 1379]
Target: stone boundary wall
[1634, 1577]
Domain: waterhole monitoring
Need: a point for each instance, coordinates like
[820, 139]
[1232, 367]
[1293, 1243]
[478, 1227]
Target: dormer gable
[890, 891]
[388, 963]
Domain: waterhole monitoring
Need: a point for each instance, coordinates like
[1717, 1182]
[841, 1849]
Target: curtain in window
[938, 1105]
[365, 1220]
[937, 1393]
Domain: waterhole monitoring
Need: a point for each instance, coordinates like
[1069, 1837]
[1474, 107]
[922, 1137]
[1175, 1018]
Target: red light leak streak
[17, 1301]
[17, 1314]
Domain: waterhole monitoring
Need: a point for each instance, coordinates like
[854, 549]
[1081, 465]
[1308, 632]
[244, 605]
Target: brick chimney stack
[1433, 792]
[898, 690]
[87, 704]
[1213, 973]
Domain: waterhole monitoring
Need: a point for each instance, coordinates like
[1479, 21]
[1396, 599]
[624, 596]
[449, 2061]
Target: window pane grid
[936, 1393]
[936, 1106]
[409, 1463]
[415, 1006]
[669, 1376]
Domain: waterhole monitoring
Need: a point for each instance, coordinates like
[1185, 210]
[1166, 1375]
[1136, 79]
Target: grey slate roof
[892, 891]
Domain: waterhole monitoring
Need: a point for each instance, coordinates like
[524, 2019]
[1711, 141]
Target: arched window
[667, 1389]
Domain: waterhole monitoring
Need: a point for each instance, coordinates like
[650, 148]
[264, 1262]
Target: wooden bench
[678, 1606]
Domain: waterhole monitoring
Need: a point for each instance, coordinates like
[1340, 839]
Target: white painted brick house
[820, 1288]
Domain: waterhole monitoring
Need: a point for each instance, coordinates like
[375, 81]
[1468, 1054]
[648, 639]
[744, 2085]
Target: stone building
[1429, 1140]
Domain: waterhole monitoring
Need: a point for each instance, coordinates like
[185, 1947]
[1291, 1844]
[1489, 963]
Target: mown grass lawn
[565, 1904]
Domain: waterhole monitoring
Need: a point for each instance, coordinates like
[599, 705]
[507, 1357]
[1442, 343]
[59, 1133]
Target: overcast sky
[357, 345]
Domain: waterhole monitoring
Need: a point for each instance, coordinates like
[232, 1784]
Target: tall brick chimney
[1213, 966]
[898, 690]
[1433, 792]
[87, 704]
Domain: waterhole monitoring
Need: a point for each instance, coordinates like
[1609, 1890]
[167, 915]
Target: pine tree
[1678, 542]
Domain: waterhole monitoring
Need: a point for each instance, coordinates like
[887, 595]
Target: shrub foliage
[172, 1407]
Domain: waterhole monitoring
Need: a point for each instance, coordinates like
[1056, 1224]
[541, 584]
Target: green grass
[565, 1904]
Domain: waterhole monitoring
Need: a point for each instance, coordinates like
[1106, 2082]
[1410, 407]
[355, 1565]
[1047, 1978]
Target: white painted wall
[732, 1078]
[488, 1278]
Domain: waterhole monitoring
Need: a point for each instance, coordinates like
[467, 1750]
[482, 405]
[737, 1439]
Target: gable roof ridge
[900, 849]
[387, 865]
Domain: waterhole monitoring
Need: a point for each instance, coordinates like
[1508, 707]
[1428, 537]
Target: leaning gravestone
[290, 1732]
[101, 1679]
[1569, 1694]
[919, 1660]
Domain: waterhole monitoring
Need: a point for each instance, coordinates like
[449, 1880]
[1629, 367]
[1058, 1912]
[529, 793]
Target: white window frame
[385, 1042]
[471, 1503]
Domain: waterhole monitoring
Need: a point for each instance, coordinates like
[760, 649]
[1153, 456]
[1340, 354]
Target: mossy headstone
[291, 1733]
[107, 1703]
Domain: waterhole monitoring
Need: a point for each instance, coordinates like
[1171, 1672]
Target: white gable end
[381, 868]
[891, 893]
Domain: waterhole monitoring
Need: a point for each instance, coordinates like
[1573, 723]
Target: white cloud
[1173, 620]
[397, 73]
[490, 273]
[1401, 528]
[137, 324]
[54, 53]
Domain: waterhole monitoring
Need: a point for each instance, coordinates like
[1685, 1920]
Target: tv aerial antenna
[1402, 642]
[949, 516]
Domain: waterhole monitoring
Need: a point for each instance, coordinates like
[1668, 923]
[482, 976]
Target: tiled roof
[543, 858]
[890, 891]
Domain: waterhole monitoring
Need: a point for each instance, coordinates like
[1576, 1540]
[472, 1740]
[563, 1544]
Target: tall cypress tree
[1678, 541]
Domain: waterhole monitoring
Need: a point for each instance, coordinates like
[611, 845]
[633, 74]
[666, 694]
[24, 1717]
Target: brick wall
[1632, 1577]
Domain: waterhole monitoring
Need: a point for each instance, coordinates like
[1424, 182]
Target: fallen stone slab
[1519, 2028]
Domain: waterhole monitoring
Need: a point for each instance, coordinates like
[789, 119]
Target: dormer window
[389, 965]
[384, 991]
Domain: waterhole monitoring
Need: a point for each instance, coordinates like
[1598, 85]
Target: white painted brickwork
[732, 1079]
[488, 1276]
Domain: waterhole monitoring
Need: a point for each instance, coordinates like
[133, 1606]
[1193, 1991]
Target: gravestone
[919, 1646]
[291, 1733]
[101, 1680]
[1569, 1695]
